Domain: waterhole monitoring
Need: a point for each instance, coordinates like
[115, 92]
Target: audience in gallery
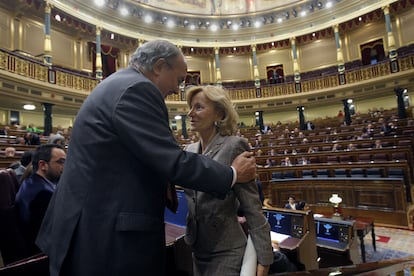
[32, 128]
[20, 140]
[270, 163]
[351, 147]
[312, 149]
[57, 138]
[286, 162]
[335, 147]
[303, 161]
[19, 167]
[4, 131]
[267, 129]
[31, 138]
[378, 144]
[10, 152]
[310, 125]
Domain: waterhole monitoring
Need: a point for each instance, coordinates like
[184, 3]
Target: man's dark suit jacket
[32, 200]
[107, 215]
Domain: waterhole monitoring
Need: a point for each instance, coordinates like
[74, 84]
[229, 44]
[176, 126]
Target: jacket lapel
[214, 146]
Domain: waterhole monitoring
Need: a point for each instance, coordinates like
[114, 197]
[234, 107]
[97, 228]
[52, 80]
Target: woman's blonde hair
[222, 103]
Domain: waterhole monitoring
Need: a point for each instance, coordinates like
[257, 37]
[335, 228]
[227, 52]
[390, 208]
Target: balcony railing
[37, 70]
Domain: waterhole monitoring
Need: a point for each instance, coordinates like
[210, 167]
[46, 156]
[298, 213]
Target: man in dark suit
[107, 215]
[35, 192]
[292, 203]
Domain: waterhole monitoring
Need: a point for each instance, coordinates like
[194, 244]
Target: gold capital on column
[48, 7]
[386, 9]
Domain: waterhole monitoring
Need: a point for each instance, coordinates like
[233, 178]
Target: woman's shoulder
[236, 139]
[236, 143]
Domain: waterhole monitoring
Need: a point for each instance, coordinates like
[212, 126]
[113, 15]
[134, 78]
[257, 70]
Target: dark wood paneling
[384, 199]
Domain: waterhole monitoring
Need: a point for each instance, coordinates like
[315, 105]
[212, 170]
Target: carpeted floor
[393, 239]
[391, 244]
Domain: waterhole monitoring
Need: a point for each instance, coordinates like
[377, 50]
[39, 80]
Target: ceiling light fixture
[148, 18]
[29, 107]
[124, 11]
[170, 23]
[100, 3]
[214, 27]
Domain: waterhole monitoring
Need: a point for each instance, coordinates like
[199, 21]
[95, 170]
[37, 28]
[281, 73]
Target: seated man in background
[35, 191]
[57, 138]
[10, 152]
[31, 139]
[281, 262]
[291, 203]
[19, 167]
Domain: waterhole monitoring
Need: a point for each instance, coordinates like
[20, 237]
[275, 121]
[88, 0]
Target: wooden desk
[179, 259]
[362, 227]
[173, 233]
[300, 246]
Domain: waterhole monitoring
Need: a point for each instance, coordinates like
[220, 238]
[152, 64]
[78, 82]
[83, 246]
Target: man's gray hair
[146, 55]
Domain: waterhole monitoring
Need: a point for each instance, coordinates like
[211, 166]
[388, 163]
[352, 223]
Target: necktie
[172, 200]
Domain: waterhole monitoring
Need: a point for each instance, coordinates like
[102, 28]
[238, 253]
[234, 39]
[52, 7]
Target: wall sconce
[336, 201]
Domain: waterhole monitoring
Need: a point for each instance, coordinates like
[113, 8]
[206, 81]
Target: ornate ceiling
[210, 23]
[221, 7]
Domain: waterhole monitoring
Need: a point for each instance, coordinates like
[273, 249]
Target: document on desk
[278, 237]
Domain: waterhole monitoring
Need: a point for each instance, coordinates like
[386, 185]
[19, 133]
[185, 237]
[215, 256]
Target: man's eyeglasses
[60, 161]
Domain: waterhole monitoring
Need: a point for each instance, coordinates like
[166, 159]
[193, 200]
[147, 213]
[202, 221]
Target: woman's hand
[262, 270]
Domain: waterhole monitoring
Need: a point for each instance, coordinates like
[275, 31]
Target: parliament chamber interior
[323, 90]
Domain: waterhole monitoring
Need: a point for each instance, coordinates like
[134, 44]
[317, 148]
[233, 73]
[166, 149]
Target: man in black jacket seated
[35, 191]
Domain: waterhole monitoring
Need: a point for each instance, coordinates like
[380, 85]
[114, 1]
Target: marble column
[98, 64]
[217, 60]
[392, 51]
[47, 55]
[48, 124]
[296, 71]
[339, 56]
